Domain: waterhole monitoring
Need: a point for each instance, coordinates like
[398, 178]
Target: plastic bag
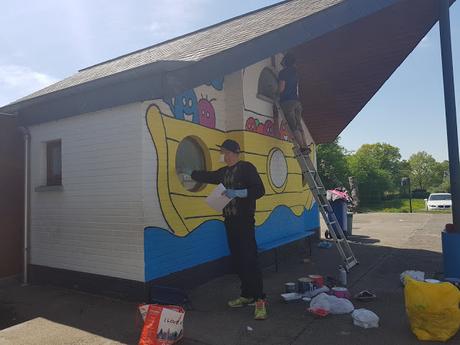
[417, 275]
[433, 309]
[163, 325]
[365, 318]
[332, 304]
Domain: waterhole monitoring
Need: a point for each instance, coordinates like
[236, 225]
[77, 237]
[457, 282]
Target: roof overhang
[346, 53]
[341, 71]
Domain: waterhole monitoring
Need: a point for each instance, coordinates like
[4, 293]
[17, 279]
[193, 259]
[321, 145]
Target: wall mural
[207, 112]
[286, 209]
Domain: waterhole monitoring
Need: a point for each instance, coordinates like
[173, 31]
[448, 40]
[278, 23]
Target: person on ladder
[288, 89]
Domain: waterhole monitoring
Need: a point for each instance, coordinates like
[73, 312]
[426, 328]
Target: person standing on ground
[244, 186]
[288, 87]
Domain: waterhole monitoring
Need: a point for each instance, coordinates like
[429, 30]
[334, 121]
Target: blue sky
[48, 40]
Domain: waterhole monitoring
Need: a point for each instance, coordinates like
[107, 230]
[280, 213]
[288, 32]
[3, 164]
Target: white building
[109, 208]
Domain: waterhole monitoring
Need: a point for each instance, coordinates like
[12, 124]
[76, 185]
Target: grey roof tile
[200, 44]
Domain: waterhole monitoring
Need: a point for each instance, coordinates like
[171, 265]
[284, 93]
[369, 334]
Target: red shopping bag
[163, 325]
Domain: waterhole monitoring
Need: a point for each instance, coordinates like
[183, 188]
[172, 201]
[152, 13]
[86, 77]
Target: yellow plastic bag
[433, 309]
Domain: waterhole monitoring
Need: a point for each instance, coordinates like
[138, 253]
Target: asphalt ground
[386, 245]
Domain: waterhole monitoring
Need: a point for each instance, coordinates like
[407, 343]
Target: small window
[53, 163]
[190, 156]
[268, 85]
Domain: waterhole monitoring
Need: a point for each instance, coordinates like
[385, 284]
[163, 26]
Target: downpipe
[26, 135]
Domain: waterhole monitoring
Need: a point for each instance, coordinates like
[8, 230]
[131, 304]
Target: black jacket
[245, 176]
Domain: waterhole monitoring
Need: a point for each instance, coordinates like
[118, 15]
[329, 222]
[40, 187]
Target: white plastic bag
[365, 318]
[417, 275]
[332, 304]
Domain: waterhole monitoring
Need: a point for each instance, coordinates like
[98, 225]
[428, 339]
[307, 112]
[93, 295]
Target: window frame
[261, 95]
[53, 180]
[205, 155]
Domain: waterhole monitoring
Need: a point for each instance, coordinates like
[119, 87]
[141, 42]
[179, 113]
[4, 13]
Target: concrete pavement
[386, 245]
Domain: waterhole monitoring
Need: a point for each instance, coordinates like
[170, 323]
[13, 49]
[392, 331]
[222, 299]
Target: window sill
[59, 188]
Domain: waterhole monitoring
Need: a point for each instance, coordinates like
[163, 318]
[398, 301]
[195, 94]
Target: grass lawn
[399, 206]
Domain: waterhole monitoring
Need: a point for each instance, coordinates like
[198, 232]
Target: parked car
[438, 201]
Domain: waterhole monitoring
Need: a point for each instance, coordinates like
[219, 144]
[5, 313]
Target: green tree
[378, 168]
[441, 181]
[372, 179]
[332, 165]
[424, 170]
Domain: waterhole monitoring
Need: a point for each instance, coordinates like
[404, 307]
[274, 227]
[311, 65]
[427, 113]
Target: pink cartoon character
[207, 112]
[251, 124]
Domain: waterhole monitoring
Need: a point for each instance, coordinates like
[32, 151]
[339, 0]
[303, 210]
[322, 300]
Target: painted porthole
[277, 170]
[190, 156]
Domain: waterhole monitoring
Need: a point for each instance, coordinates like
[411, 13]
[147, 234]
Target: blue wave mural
[165, 253]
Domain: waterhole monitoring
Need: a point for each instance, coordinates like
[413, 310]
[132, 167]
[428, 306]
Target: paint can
[289, 287]
[305, 285]
[318, 281]
[340, 292]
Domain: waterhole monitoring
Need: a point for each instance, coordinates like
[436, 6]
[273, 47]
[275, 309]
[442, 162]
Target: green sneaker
[240, 302]
[260, 313]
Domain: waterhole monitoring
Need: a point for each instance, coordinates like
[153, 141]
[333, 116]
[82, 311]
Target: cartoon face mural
[207, 113]
[185, 212]
[260, 127]
[184, 106]
[251, 124]
[269, 128]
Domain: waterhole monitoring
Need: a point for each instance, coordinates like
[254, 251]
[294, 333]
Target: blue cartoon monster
[184, 106]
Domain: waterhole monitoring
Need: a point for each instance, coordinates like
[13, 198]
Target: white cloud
[18, 81]
[172, 17]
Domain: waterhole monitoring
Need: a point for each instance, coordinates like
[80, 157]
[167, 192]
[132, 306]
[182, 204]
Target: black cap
[231, 145]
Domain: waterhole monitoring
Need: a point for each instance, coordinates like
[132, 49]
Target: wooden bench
[275, 245]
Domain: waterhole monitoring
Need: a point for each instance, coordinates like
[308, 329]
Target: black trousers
[243, 249]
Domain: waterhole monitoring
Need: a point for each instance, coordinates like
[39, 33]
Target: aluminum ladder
[319, 192]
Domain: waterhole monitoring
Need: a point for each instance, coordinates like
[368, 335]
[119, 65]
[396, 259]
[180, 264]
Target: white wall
[95, 224]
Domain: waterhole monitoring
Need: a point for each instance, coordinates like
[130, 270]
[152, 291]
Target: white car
[438, 201]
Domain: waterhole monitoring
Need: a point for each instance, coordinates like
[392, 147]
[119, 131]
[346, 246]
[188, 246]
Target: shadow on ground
[212, 323]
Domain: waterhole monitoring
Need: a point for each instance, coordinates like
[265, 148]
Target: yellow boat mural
[185, 210]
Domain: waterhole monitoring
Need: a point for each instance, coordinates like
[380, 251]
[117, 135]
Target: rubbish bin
[339, 207]
[349, 223]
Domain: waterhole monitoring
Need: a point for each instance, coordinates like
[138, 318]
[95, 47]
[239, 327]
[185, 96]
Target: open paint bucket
[305, 285]
[340, 292]
[318, 281]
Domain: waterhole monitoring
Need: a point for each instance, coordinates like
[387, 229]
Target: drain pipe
[26, 134]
